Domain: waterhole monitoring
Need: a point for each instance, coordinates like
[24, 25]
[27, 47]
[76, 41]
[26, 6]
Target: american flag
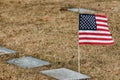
[93, 29]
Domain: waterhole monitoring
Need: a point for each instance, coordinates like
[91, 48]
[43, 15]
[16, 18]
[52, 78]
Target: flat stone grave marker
[4, 50]
[28, 62]
[81, 10]
[65, 74]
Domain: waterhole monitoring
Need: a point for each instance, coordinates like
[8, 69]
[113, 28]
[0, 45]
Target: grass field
[38, 28]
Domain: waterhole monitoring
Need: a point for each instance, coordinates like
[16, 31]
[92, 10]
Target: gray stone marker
[64, 74]
[81, 10]
[28, 62]
[4, 50]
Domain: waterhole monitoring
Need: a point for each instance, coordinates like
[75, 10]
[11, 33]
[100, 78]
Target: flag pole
[78, 43]
[78, 58]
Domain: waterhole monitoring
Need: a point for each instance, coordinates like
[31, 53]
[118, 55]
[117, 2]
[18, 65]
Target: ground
[40, 29]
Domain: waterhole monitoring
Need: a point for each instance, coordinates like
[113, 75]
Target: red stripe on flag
[102, 25]
[96, 43]
[98, 34]
[101, 20]
[102, 29]
[85, 38]
[103, 16]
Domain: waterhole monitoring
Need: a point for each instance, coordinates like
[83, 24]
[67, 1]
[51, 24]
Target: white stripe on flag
[104, 32]
[101, 18]
[102, 27]
[93, 36]
[100, 41]
[104, 23]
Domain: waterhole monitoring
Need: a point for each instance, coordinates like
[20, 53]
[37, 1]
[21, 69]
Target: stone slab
[4, 50]
[81, 10]
[28, 62]
[64, 74]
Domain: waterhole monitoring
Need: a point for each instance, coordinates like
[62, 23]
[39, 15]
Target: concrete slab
[4, 50]
[64, 74]
[28, 62]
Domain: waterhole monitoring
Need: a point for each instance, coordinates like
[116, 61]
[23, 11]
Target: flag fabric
[93, 29]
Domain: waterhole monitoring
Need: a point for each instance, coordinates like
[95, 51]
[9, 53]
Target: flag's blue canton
[87, 22]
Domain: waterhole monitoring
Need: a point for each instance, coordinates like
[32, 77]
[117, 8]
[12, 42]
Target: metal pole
[78, 44]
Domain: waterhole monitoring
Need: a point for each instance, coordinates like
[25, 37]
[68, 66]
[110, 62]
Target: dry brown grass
[39, 29]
